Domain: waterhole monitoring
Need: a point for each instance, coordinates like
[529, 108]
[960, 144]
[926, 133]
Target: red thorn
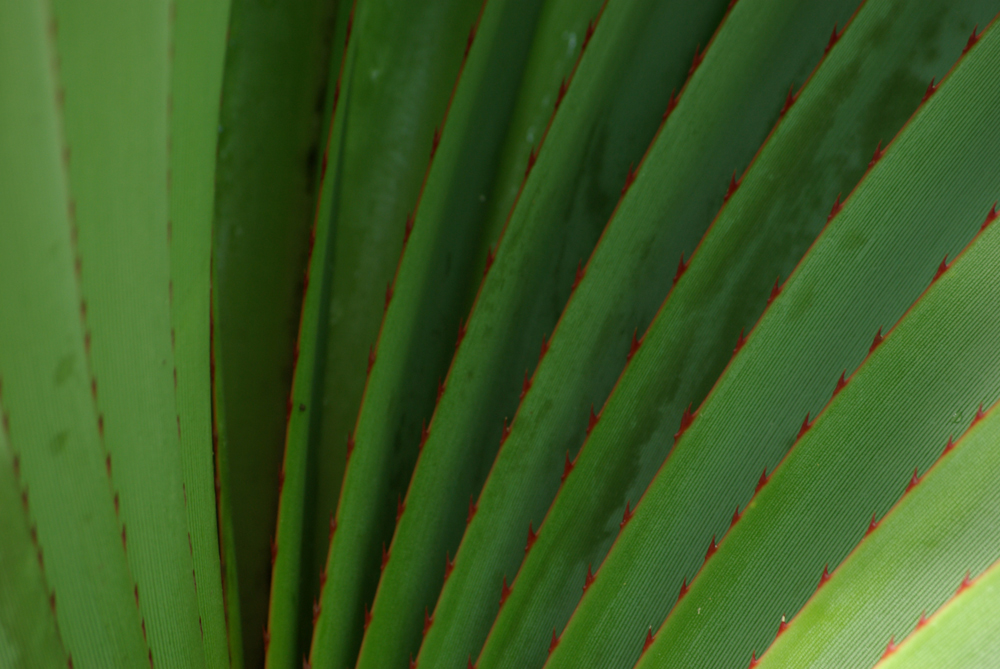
[587, 35]
[684, 589]
[990, 217]
[712, 547]
[580, 271]
[734, 183]
[504, 592]
[449, 565]
[789, 101]
[532, 537]
[931, 88]
[470, 40]
[592, 421]
[775, 291]
[875, 342]
[833, 40]
[316, 610]
[400, 507]
[914, 481]
[979, 415]
[890, 648]
[681, 268]
[545, 348]
[526, 386]
[628, 515]
[923, 619]
[428, 621]
[871, 526]
[388, 295]
[629, 179]
[696, 61]
[825, 576]
[561, 94]
[736, 517]
[671, 105]
[966, 582]
[505, 433]
[435, 141]
[368, 617]
[490, 257]
[753, 657]
[532, 156]
[554, 642]
[567, 468]
[782, 626]
[413, 663]
[473, 507]
[879, 152]
[409, 228]
[371, 358]
[686, 419]
[649, 640]
[739, 343]
[470, 665]
[950, 445]
[762, 481]
[461, 334]
[350, 445]
[636, 343]
[589, 580]
[69, 661]
[942, 268]
[52, 601]
[837, 206]
[274, 551]
[805, 427]
[440, 390]
[333, 525]
[841, 382]
[973, 38]
[322, 579]
[424, 433]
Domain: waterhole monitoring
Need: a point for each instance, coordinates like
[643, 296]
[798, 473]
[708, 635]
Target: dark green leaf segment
[757, 407]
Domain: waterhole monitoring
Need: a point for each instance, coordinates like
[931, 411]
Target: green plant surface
[273, 92]
[391, 100]
[286, 628]
[114, 72]
[51, 444]
[523, 288]
[682, 179]
[708, 468]
[907, 565]
[963, 633]
[430, 295]
[559, 36]
[29, 634]
[886, 425]
[198, 48]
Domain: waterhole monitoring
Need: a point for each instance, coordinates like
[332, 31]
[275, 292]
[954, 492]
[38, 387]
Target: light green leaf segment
[890, 420]
[114, 72]
[715, 464]
[199, 31]
[51, 447]
[945, 528]
[964, 634]
[565, 200]
[265, 202]
[29, 634]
